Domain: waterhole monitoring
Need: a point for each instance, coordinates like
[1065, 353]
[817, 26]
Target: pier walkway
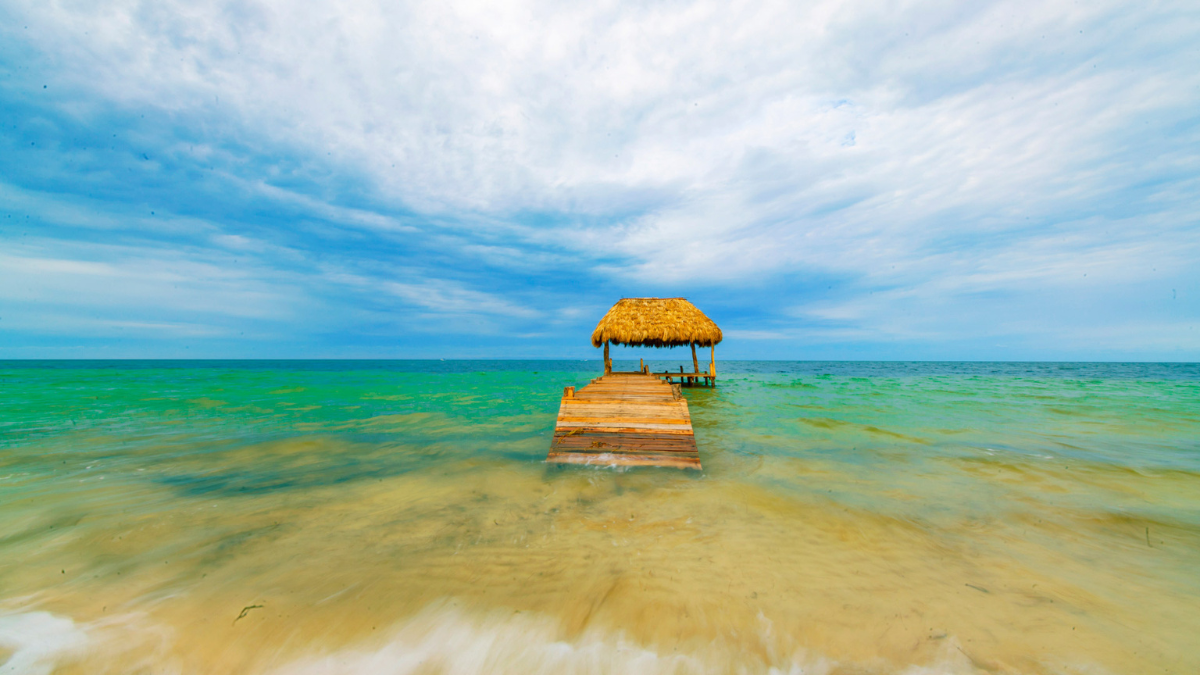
[625, 419]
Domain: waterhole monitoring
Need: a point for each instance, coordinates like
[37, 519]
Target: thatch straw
[656, 322]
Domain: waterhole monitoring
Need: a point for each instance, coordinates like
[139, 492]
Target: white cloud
[544, 105]
[105, 280]
[447, 297]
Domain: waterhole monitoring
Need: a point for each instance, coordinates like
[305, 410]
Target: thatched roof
[656, 322]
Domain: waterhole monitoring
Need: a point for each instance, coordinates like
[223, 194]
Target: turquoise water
[397, 517]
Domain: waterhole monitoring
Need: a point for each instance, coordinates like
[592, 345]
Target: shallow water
[396, 517]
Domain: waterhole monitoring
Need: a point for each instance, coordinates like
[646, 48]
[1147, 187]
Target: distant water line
[396, 517]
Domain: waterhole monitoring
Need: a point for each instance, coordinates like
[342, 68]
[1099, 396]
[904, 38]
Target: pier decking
[625, 419]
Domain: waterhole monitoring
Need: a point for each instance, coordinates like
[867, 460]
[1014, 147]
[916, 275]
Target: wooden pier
[625, 419]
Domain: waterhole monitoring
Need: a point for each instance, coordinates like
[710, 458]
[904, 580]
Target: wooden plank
[687, 447]
[620, 423]
[634, 437]
[571, 412]
[593, 447]
[625, 419]
[649, 406]
[669, 417]
[625, 459]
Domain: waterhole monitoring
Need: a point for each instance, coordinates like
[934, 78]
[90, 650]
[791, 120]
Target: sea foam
[38, 641]
[444, 639]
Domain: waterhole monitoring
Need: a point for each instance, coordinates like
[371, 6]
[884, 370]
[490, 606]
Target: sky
[864, 179]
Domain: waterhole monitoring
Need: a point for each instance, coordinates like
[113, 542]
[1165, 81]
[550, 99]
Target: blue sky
[832, 180]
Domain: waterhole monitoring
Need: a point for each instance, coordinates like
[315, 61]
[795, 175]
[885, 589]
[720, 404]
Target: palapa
[656, 322]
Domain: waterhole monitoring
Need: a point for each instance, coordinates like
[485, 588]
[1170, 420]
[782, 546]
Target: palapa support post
[712, 365]
[695, 361]
[607, 361]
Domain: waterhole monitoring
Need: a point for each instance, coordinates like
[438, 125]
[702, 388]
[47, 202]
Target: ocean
[397, 517]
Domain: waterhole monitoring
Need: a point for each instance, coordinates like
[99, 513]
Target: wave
[444, 638]
[37, 641]
[41, 643]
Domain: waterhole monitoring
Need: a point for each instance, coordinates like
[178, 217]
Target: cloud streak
[856, 178]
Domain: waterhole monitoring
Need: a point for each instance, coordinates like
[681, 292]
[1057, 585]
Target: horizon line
[345, 358]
